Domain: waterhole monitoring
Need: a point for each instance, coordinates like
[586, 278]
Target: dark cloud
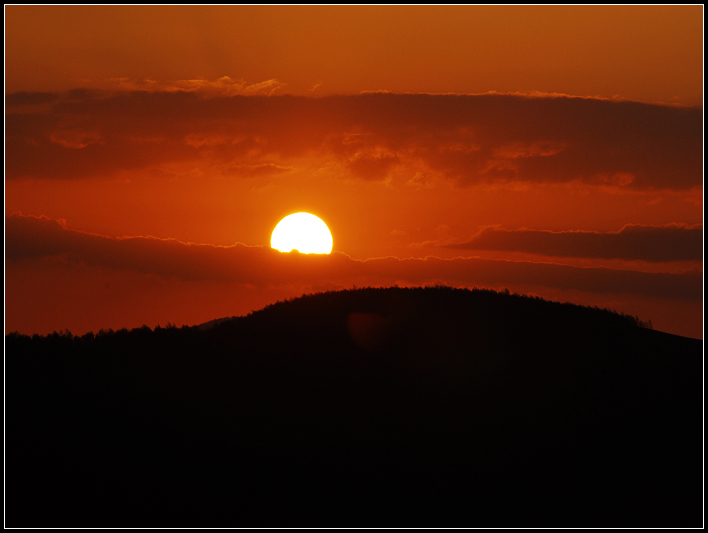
[464, 138]
[372, 167]
[672, 242]
[27, 98]
[32, 238]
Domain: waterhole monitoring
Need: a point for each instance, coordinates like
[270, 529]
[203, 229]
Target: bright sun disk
[303, 232]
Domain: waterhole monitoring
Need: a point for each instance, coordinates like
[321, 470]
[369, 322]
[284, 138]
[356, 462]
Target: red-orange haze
[150, 152]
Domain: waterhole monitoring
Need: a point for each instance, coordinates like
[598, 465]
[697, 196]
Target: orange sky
[553, 151]
[646, 53]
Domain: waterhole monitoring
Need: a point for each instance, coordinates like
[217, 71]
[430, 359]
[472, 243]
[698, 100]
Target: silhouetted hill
[211, 323]
[370, 407]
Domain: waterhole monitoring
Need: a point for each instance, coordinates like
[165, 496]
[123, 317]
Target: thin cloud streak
[670, 242]
[34, 238]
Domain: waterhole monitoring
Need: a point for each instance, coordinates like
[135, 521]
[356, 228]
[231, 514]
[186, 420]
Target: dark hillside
[371, 407]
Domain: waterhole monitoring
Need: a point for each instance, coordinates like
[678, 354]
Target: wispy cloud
[224, 86]
[670, 242]
[464, 140]
[33, 238]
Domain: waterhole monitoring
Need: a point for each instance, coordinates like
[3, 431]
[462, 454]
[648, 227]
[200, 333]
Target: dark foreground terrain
[373, 407]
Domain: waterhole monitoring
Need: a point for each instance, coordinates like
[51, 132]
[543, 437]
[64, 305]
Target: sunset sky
[150, 152]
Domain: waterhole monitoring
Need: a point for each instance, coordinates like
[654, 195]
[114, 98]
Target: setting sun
[517, 291]
[303, 232]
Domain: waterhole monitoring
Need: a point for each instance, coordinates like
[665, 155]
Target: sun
[303, 232]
